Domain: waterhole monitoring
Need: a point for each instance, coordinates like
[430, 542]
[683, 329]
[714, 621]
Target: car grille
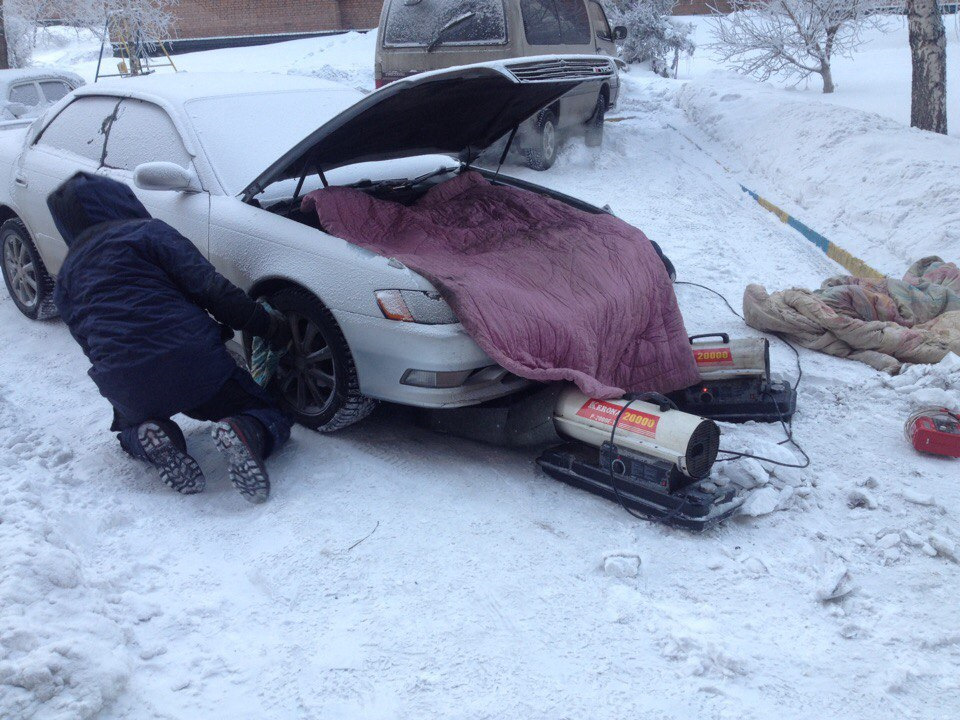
[561, 69]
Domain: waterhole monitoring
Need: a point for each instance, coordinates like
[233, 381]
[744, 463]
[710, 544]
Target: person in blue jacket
[138, 297]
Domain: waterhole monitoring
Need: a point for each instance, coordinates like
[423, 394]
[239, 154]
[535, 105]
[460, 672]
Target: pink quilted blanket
[549, 292]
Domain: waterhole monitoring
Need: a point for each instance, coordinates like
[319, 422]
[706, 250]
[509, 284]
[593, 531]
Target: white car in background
[225, 158]
[25, 93]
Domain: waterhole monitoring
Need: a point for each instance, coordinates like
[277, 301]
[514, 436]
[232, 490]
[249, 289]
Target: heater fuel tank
[688, 441]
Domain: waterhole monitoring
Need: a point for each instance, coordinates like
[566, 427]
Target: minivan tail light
[386, 79]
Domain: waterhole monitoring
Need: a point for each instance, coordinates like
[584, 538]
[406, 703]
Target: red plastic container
[935, 431]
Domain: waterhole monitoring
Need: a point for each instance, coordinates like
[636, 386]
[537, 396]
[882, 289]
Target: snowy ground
[487, 590]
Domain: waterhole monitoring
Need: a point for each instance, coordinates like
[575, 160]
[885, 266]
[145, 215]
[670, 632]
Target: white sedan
[224, 159]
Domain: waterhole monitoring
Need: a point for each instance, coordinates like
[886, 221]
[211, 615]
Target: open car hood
[459, 111]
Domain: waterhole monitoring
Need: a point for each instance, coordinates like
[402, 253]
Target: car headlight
[416, 306]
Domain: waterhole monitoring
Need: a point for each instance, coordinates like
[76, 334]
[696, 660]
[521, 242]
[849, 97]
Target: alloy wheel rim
[307, 374]
[549, 140]
[19, 268]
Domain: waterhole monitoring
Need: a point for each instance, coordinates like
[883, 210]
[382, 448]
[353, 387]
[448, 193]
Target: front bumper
[384, 350]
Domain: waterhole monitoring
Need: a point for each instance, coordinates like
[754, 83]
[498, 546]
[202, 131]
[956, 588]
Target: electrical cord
[787, 425]
[613, 460]
[632, 398]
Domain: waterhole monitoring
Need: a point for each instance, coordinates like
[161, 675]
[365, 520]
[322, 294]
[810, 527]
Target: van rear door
[420, 35]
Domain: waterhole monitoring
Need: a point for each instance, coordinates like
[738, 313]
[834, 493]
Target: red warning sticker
[632, 420]
[713, 356]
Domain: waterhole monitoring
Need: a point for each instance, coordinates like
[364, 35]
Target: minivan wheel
[317, 381]
[28, 282]
[594, 130]
[546, 142]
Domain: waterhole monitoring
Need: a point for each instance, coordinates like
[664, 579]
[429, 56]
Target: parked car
[419, 35]
[25, 93]
[224, 159]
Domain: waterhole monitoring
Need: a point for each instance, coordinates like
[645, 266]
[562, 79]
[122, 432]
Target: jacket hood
[87, 200]
[458, 111]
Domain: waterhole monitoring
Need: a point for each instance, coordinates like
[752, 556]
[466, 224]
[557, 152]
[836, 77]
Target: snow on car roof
[20, 74]
[178, 88]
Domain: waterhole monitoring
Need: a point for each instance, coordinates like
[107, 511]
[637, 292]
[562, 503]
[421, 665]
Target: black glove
[278, 335]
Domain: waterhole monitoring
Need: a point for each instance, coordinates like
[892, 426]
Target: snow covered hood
[458, 111]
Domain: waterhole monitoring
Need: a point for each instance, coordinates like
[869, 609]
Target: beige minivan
[419, 35]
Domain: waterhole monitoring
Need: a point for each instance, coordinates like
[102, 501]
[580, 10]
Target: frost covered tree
[145, 22]
[142, 23]
[790, 38]
[928, 50]
[4, 59]
[652, 34]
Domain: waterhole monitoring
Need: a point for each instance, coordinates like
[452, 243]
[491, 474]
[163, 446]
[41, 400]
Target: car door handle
[21, 181]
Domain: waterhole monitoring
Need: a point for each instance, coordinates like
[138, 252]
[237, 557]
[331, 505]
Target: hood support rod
[506, 149]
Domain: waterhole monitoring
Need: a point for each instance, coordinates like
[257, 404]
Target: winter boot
[167, 452]
[242, 440]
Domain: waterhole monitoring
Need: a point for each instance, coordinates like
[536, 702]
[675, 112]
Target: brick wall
[218, 18]
[699, 7]
[360, 14]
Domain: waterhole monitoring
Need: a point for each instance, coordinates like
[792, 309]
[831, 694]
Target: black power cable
[614, 452]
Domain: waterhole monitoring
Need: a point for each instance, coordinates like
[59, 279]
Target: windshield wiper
[438, 40]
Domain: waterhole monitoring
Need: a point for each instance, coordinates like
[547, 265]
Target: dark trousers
[239, 395]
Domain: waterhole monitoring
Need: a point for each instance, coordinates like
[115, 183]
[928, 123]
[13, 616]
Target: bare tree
[928, 49]
[790, 38]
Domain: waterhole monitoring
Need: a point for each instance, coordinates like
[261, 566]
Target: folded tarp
[550, 292]
[883, 323]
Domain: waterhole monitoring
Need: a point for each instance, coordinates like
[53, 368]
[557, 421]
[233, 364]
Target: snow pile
[346, 58]
[765, 486]
[930, 385]
[61, 653]
[884, 192]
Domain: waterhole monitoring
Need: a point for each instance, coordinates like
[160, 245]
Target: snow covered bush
[652, 34]
[790, 38]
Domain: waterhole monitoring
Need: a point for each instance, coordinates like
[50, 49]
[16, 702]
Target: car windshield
[243, 135]
[418, 23]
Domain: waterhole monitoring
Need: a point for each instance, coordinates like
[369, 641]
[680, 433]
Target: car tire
[322, 394]
[546, 142]
[28, 282]
[593, 136]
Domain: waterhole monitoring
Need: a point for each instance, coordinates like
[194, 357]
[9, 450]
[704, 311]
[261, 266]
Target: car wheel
[316, 381]
[546, 142]
[594, 129]
[28, 282]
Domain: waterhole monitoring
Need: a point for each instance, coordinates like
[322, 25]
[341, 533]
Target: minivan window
[555, 22]
[574, 22]
[600, 20]
[417, 23]
[540, 22]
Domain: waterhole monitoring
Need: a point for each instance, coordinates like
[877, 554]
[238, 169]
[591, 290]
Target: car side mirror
[165, 176]
[619, 32]
[17, 109]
